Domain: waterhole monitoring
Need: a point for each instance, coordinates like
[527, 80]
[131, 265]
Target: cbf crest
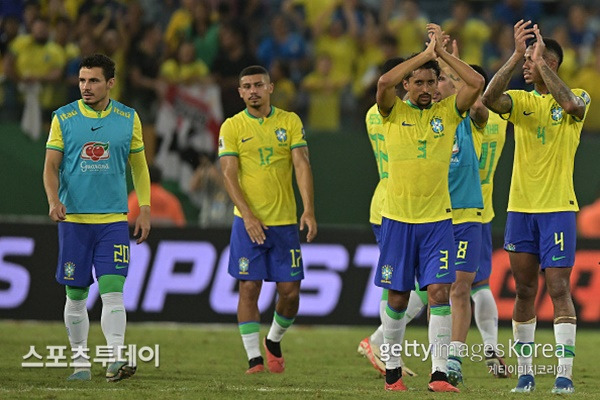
[437, 126]
[244, 264]
[281, 134]
[556, 112]
[386, 273]
[69, 269]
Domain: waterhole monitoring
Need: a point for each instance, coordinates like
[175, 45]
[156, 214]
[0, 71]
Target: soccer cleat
[563, 385]
[497, 367]
[118, 371]
[441, 386]
[454, 371]
[275, 364]
[83, 375]
[397, 386]
[366, 350]
[258, 368]
[526, 384]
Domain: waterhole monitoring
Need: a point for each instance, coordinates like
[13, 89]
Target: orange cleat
[397, 386]
[365, 349]
[256, 369]
[441, 386]
[275, 364]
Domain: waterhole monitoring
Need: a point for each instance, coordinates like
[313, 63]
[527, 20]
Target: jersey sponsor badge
[95, 151]
[221, 143]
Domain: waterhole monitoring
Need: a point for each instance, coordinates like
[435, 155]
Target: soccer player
[257, 149]
[90, 142]
[540, 228]
[416, 229]
[376, 128]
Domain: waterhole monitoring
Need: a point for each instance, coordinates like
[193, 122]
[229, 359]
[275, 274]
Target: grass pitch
[208, 362]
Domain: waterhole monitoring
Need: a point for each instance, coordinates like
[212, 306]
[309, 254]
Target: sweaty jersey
[95, 146]
[494, 136]
[419, 143]
[463, 179]
[264, 149]
[546, 139]
[376, 128]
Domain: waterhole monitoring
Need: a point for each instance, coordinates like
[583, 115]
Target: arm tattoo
[499, 102]
[559, 90]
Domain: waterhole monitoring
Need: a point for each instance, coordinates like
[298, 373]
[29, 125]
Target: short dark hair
[391, 63]
[479, 69]
[553, 47]
[254, 70]
[432, 64]
[102, 61]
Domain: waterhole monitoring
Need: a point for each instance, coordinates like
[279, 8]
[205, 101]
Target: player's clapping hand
[57, 212]
[430, 50]
[309, 221]
[440, 37]
[522, 33]
[539, 46]
[255, 228]
[142, 225]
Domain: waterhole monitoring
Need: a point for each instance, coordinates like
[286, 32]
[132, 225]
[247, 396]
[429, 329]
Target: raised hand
[440, 37]
[521, 34]
[539, 46]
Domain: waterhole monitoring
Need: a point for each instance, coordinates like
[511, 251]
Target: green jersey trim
[229, 153]
[298, 145]
[48, 146]
[136, 150]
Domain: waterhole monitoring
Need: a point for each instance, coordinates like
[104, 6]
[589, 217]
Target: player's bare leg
[525, 269]
[249, 323]
[558, 285]
[440, 322]
[285, 313]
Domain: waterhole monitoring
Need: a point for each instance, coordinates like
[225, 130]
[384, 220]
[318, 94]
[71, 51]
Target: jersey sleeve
[298, 135]
[583, 95]
[55, 138]
[227, 140]
[137, 140]
[517, 98]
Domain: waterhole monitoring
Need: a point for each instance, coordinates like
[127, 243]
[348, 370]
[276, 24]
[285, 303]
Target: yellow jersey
[494, 136]
[419, 144]
[376, 129]
[264, 149]
[546, 139]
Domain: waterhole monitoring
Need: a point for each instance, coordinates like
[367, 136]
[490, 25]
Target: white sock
[440, 329]
[486, 317]
[415, 305]
[78, 326]
[279, 326]
[524, 334]
[458, 350]
[377, 337]
[394, 325]
[565, 336]
[251, 344]
[113, 321]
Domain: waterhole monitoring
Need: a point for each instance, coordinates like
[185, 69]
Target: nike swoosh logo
[438, 275]
[404, 123]
[526, 113]
[295, 273]
[246, 139]
[95, 129]
[460, 262]
[77, 322]
[554, 258]
[120, 266]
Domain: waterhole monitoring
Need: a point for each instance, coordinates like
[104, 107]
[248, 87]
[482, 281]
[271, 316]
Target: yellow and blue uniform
[264, 148]
[96, 147]
[416, 230]
[494, 136]
[465, 195]
[542, 202]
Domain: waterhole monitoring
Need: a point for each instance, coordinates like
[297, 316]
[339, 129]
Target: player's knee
[460, 289]
[526, 290]
[558, 289]
[438, 294]
[290, 295]
[249, 291]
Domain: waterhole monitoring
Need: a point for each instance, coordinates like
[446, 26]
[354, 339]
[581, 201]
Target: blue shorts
[278, 259]
[550, 236]
[485, 261]
[377, 232]
[467, 244]
[421, 251]
[81, 246]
